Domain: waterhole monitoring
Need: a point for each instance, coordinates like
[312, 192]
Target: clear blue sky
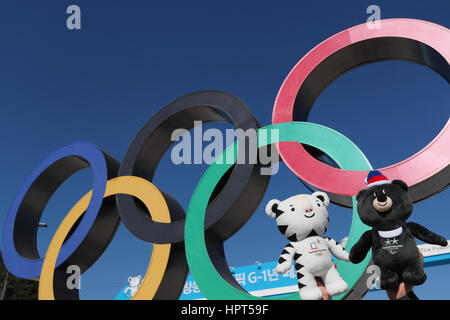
[130, 58]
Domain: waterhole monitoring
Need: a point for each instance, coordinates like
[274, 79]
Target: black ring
[235, 197]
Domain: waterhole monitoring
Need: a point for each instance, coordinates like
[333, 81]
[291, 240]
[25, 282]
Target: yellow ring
[156, 205]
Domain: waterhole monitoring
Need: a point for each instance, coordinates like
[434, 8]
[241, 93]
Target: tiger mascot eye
[303, 219]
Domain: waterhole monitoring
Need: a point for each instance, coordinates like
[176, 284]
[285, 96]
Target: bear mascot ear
[129, 279]
[401, 183]
[360, 194]
[322, 196]
[272, 208]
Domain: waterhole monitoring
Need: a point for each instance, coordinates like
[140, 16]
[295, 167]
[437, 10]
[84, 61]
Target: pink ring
[428, 171]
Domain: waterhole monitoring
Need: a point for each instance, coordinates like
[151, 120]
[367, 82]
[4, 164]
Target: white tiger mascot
[303, 219]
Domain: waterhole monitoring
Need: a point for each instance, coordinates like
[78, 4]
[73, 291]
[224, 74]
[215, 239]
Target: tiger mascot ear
[272, 208]
[322, 196]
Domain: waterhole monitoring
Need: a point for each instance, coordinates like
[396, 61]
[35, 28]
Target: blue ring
[31, 268]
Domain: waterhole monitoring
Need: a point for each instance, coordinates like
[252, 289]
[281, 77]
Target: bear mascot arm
[361, 248]
[426, 235]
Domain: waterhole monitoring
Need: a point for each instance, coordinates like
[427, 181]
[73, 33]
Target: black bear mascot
[385, 206]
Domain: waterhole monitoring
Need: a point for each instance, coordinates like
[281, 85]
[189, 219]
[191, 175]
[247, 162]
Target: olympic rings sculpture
[227, 194]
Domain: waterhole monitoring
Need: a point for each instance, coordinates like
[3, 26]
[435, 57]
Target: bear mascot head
[384, 204]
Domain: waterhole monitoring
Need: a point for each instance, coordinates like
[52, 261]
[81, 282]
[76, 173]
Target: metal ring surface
[167, 270]
[95, 229]
[417, 41]
[228, 208]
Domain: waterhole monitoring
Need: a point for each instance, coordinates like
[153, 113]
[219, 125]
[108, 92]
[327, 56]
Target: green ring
[343, 151]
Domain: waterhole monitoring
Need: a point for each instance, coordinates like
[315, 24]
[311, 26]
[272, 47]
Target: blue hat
[375, 178]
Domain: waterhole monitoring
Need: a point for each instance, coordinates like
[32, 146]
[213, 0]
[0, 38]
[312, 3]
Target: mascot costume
[385, 206]
[303, 219]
